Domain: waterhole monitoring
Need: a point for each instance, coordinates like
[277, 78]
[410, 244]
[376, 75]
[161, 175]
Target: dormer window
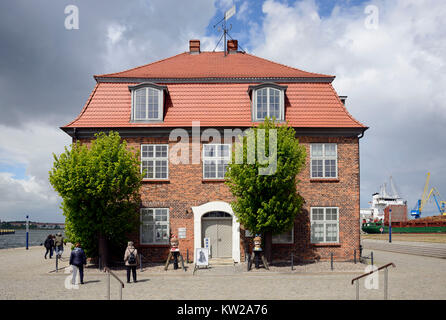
[268, 100]
[147, 102]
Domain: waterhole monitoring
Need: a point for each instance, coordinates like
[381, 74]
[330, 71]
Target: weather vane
[228, 14]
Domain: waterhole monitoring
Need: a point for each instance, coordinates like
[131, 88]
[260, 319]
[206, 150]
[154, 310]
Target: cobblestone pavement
[24, 274]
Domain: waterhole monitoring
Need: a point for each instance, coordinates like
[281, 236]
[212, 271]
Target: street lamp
[27, 231]
[390, 225]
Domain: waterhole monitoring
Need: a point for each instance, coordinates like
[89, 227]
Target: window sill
[324, 180]
[328, 244]
[212, 180]
[147, 121]
[259, 121]
[155, 180]
[283, 244]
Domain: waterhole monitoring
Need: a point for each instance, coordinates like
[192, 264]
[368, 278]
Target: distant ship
[380, 201]
[376, 218]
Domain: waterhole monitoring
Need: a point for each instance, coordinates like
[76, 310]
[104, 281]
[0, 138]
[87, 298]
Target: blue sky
[254, 14]
[18, 170]
[394, 76]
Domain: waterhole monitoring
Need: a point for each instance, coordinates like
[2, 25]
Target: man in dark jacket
[77, 260]
[49, 243]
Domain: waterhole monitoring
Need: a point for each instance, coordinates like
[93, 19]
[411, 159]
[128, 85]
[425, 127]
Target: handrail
[114, 275]
[109, 272]
[369, 273]
[386, 287]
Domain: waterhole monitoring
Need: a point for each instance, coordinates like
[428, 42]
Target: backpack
[132, 258]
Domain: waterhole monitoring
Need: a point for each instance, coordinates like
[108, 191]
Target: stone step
[221, 261]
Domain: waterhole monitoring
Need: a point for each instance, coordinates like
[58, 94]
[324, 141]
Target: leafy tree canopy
[267, 202]
[99, 186]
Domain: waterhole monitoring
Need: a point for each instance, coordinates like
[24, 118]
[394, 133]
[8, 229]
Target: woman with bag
[131, 260]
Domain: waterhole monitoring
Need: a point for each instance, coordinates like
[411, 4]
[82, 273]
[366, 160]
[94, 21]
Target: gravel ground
[24, 274]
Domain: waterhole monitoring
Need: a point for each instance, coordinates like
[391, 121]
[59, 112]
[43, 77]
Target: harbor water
[18, 239]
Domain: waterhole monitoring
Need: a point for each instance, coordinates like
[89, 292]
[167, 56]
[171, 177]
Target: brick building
[196, 91]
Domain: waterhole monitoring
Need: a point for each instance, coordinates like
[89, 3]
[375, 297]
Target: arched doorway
[217, 215]
[217, 227]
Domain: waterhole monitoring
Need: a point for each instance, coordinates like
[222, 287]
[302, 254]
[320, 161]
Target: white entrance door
[217, 226]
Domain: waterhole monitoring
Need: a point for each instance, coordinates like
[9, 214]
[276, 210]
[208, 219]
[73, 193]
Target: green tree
[99, 186]
[266, 197]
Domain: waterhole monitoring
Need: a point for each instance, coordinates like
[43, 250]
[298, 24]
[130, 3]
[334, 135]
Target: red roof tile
[219, 105]
[213, 65]
[308, 104]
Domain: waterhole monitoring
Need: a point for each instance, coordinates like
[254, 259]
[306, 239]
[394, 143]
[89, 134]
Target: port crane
[441, 205]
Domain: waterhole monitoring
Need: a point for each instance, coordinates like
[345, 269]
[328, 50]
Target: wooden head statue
[174, 243]
[257, 243]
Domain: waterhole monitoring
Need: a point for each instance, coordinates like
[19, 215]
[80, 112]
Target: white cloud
[394, 77]
[30, 146]
[161, 30]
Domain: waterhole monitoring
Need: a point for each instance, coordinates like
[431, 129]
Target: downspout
[359, 187]
[74, 135]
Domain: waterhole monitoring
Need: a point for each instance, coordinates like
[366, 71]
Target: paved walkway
[437, 250]
[24, 274]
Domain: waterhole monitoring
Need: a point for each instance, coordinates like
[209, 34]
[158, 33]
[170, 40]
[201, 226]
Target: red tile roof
[213, 65]
[308, 104]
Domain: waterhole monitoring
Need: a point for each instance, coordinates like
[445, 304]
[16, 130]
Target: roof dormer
[268, 100]
[147, 102]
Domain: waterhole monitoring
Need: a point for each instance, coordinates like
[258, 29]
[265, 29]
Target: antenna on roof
[228, 14]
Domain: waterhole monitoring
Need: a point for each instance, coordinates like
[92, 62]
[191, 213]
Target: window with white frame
[147, 104]
[268, 102]
[324, 160]
[325, 225]
[215, 160]
[154, 160]
[285, 237]
[154, 226]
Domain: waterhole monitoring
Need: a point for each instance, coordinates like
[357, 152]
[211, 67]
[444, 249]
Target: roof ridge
[142, 66]
[289, 67]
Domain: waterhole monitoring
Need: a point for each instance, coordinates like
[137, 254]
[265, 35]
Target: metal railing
[109, 272]
[386, 279]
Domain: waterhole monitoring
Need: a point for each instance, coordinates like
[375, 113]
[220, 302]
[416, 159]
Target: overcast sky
[390, 65]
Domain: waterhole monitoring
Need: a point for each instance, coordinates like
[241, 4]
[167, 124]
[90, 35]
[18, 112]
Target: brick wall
[186, 188]
[399, 213]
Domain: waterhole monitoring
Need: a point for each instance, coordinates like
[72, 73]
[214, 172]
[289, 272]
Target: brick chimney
[232, 46]
[194, 46]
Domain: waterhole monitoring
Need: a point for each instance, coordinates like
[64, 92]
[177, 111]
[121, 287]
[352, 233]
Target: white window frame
[281, 104]
[323, 158]
[280, 241]
[324, 222]
[154, 158]
[160, 104]
[154, 223]
[216, 158]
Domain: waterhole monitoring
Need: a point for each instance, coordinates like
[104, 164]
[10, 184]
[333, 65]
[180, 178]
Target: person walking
[58, 244]
[77, 260]
[54, 242]
[48, 244]
[131, 260]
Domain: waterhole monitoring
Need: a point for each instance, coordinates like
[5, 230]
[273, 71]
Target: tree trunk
[103, 250]
[268, 246]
